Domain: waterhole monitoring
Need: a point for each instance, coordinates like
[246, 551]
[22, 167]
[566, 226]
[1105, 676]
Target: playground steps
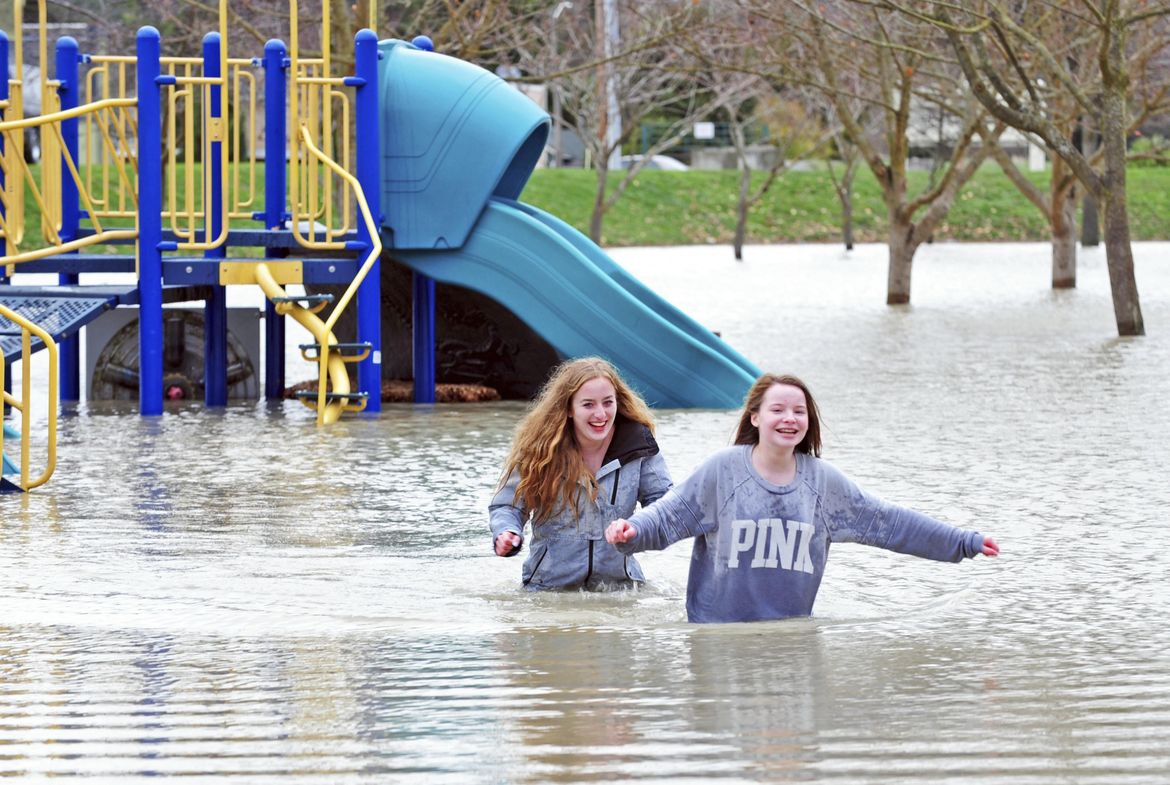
[60, 313]
[309, 398]
[63, 310]
[349, 352]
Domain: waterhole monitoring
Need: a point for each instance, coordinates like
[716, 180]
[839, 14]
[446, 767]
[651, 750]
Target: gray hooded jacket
[568, 550]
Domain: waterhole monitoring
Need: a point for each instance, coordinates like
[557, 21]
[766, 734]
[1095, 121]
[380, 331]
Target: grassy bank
[697, 207]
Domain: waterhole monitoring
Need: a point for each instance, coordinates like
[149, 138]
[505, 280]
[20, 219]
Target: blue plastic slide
[458, 145]
[637, 289]
[579, 300]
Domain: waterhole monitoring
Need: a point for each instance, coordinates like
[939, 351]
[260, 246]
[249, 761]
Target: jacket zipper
[617, 473]
[589, 573]
[535, 568]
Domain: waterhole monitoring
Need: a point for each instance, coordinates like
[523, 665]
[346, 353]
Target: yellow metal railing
[190, 133]
[23, 402]
[113, 193]
[333, 375]
[319, 198]
[19, 181]
[107, 166]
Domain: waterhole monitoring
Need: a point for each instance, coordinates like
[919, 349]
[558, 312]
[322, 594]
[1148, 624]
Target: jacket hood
[631, 441]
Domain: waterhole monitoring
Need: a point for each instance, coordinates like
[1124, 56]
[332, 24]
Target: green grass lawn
[696, 207]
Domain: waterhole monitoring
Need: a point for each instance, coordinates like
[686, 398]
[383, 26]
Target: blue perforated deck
[58, 316]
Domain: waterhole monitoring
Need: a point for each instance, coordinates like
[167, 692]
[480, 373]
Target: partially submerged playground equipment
[149, 169]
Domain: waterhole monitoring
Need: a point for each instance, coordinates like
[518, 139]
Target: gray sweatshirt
[760, 549]
[569, 550]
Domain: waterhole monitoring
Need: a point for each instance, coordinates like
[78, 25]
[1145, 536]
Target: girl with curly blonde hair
[583, 455]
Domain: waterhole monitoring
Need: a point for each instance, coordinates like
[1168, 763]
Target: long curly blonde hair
[544, 448]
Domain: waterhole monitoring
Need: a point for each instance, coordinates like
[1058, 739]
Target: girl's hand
[620, 530]
[508, 543]
[990, 547]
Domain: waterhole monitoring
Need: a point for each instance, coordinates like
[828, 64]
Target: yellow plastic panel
[245, 273]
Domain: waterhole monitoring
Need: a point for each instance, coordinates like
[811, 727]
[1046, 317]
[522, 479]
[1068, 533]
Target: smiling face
[592, 410]
[782, 419]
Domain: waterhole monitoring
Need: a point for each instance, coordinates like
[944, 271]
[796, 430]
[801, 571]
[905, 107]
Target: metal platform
[59, 315]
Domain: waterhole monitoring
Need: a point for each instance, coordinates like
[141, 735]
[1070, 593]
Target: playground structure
[441, 149]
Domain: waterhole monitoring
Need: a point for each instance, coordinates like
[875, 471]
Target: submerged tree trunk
[1064, 241]
[1090, 223]
[902, 248]
[846, 196]
[1118, 249]
[1119, 258]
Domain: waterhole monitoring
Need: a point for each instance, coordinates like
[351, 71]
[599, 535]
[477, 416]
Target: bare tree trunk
[902, 247]
[1118, 250]
[845, 193]
[1064, 242]
[1090, 214]
[598, 214]
[741, 211]
[1090, 225]
[1119, 258]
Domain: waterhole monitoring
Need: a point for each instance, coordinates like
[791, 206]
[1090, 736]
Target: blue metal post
[275, 133]
[3, 97]
[215, 330]
[275, 142]
[423, 323]
[150, 317]
[3, 243]
[68, 56]
[369, 162]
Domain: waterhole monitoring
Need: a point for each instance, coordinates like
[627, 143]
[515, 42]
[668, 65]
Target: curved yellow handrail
[332, 365]
[24, 403]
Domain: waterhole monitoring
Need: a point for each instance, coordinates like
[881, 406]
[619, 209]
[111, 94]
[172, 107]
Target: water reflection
[236, 595]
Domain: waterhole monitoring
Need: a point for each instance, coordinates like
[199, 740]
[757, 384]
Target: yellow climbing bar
[23, 402]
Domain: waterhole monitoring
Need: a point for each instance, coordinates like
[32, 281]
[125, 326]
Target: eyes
[589, 403]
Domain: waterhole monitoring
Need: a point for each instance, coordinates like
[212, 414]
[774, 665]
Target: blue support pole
[215, 360]
[3, 244]
[68, 57]
[275, 141]
[369, 162]
[150, 316]
[423, 323]
[3, 97]
[275, 133]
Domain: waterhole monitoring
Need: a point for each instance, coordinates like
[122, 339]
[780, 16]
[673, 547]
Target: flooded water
[237, 596]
